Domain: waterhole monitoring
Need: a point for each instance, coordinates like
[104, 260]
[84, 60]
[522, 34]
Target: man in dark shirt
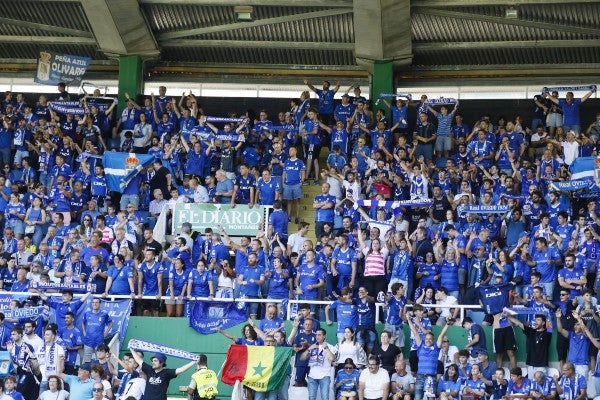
[157, 376]
[538, 342]
[161, 179]
[149, 243]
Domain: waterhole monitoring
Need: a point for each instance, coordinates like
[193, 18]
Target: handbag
[29, 229]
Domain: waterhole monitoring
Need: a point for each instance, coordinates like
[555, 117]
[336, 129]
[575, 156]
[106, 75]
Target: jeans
[265, 395]
[420, 386]
[321, 385]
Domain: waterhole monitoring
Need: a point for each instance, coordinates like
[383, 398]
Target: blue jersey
[579, 345]
[429, 280]
[393, 309]
[150, 275]
[325, 214]
[495, 298]
[481, 344]
[366, 313]
[61, 309]
[428, 358]
[325, 100]
[572, 386]
[200, 281]
[548, 271]
[71, 338]
[279, 220]
[244, 185]
[426, 325]
[344, 260]
[402, 262]
[348, 381]
[346, 315]
[309, 275]
[267, 191]
[251, 288]
[120, 279]
[449, 279]
[95, 325]
[292, 169]
[523, 388]
[344, 111]
[278, 285]
[180, 280]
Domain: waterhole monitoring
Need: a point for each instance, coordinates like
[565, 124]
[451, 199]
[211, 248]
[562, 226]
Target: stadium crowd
[418, 214]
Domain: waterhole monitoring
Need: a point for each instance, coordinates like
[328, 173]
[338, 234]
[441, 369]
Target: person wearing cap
[344, 110]
[158, 376]
[80, 386]
[204, 381]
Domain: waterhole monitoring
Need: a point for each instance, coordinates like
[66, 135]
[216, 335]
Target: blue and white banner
[405, 96]
[74, 287]
[6, 298]
[53, 68]
[121, 168]
[207, 316]
[570, 186]
[287, 128]
[481, 209]
[67, 107]
[27, 312]
[441, 101]
[149, 347]
[118, 311]
[212, 136]
[521, 311]
[512, 197]
[224, 119]
[392, 204]
[568, 88]
[102, 103]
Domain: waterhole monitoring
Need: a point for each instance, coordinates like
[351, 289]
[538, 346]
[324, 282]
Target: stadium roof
[427, 39]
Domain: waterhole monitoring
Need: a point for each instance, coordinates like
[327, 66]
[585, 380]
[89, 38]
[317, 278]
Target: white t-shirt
[48, 357]
[570, 151]
[374, 382]
[36, 342]
[450, 300]
[58, 395]
[295, 241]
[319, 361]
[134, 387]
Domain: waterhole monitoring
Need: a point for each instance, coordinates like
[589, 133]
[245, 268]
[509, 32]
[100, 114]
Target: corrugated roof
[32, 50]
[64, 14]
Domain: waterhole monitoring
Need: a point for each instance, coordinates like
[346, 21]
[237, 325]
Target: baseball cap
[160, 357]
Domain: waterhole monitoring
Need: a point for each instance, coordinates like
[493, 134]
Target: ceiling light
[243, 13]
[512, 13]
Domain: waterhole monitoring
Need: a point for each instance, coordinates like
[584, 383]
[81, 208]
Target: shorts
[152, 305]
[175, 301]
[312, 151]
[292, 192]
[554, 119]
[443, 143]
[504, 339]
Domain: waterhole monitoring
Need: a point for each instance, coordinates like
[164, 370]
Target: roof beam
[261, 22]
[47, 39]
[508, 44]
[265, 44]
[515, 3]
[45, 27]
[295, 3]
[506, 21]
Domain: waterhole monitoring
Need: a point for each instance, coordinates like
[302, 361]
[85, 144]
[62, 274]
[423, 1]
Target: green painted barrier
[175, 332]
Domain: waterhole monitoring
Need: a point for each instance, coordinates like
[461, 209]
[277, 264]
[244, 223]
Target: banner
[261, 368]
[27, 312]
[53, 68]
[441, 101]
[121, 168]
[118, 310]
[103, 103]
[207, 316]
[224, 119]
[66, 107]
[393, 204]
[583, 168]
[212, 136]
[149, 347]
[239, 221]
[480, 209]
[74, 287]
[568, 88]
[6, 298]
[570, 186]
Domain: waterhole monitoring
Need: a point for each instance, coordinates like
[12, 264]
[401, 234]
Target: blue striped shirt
[444, 124]
[428, 358]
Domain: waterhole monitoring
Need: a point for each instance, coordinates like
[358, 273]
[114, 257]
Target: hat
[86, 366]
[346, 95]
[160, 357]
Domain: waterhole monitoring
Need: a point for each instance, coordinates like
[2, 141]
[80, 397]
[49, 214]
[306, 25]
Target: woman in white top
[225, 280]
[349, 348]
[55, 390]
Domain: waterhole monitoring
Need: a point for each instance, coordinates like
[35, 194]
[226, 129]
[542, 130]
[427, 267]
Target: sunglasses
[97, 390]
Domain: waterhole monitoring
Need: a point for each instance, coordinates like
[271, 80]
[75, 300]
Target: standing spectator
[476, 340]
[326, 104]
[204, 381]
[570, 109]
[320, 358]
[293, 177]
[158, 377]
[61, 308]
[150, 275]
[95, 328]
[579, 345]
[324, 205]
[73, 342]
[386, 352]
[537, 343]
[49, 359]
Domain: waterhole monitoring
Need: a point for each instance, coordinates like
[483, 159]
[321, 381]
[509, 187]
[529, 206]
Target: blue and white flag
[6, 298]
[150, 347]
[26, 312]
[392, 204]
[121, 168]
[207, 316]
[570, 186]
[53, 68]
[481, 209]
[583, 168]
[117, 310]
[74, 287]
[568, 88]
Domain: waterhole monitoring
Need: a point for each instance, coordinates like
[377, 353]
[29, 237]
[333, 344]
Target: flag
[206, 316]
[121, 168]
[262, 368]
[583, 168]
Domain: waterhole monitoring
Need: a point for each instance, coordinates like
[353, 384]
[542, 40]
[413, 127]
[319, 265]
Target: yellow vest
[206, 383]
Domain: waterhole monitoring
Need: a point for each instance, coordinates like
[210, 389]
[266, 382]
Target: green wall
[175, 332]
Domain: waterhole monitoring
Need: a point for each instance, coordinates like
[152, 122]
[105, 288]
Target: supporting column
[130, 79]
[382, 81]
